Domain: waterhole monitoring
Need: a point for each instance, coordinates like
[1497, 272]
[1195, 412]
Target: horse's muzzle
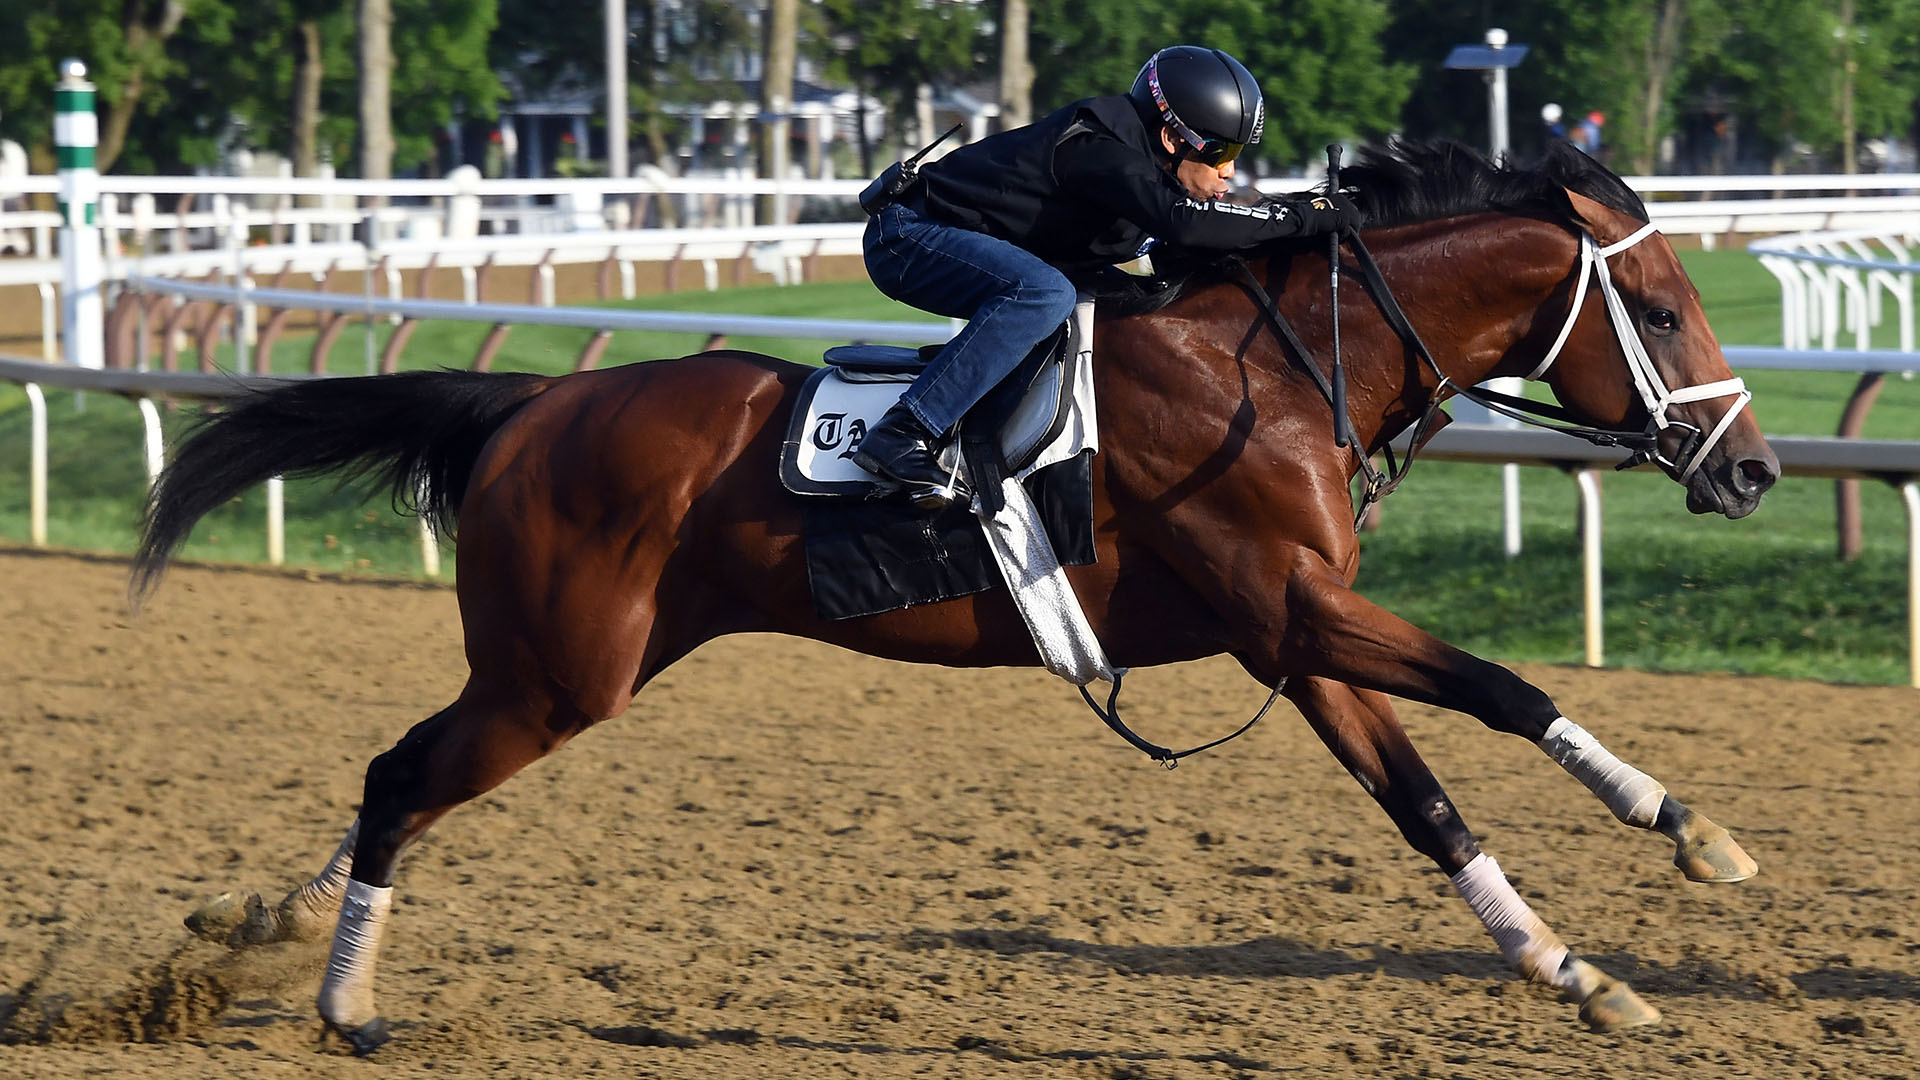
[1733, 486]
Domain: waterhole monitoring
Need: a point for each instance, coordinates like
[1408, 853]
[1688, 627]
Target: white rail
[584, 318]
[778, 251]
[1897, 463]
[346, 204]
[1835, 280]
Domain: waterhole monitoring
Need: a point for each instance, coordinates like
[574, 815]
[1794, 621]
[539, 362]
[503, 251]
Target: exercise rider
[996, 231]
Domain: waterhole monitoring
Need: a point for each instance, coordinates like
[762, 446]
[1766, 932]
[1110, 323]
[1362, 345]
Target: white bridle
[1646, 378]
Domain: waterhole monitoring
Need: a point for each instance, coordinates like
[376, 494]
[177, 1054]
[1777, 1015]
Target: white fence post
[37, 467]
[1589, 482]
[1910, 498]
[76, 134]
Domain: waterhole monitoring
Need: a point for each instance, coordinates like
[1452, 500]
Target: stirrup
[939, 496]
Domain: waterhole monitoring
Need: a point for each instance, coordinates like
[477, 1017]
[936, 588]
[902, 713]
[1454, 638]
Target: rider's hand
[1332, 212]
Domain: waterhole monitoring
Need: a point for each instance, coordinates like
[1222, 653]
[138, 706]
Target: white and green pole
[76, 134]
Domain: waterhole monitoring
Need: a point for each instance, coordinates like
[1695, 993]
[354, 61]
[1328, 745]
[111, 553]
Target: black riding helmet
[1208, 99]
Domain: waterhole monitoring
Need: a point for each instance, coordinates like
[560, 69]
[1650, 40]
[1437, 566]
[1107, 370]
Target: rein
[1653, 391]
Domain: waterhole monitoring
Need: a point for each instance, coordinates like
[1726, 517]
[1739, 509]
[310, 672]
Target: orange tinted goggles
[1217, 152]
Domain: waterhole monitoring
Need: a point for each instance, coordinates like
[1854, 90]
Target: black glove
[1322, 214]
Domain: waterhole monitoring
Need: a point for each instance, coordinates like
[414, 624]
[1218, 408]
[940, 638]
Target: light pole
[1493, 59]
[616, 29]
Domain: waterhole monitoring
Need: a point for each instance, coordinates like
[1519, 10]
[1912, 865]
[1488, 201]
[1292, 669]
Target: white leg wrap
[1529, 945]
[308, 909]
[346, 995]
[1633, 796]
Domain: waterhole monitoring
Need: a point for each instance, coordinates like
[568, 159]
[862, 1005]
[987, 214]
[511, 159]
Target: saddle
[867, 553]
[1030, 419]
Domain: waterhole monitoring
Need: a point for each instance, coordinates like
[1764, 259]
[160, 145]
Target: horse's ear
[1572, 200]
[1604, 222]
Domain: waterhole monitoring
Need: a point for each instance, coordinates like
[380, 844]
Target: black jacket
[1082, 187]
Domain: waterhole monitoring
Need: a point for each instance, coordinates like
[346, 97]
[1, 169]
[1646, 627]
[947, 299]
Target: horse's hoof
[261, 925]
[219, 917]
[364, 1039]
[1615, 1007]
[1711, 854]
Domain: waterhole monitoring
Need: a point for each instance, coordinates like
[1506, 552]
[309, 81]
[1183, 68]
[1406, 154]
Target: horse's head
[1638, 353]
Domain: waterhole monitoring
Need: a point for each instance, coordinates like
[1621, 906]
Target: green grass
[1762, 595]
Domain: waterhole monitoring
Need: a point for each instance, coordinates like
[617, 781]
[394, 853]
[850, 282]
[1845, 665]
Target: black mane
[1407, 181]
[1402, 182]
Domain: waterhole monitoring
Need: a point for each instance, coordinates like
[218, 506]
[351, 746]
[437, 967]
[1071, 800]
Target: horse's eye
[1661, 319]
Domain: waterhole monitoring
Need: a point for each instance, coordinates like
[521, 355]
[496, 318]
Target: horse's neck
[1470, 324]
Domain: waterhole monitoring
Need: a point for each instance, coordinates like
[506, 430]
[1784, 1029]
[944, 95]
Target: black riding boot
[900, 448]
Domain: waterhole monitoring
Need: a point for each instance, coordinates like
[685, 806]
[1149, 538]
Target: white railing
[1835, 280]
[143, 384]
[1897, 463]
[605, 320]
[1712, 219]
[202, 211]
[204, 206]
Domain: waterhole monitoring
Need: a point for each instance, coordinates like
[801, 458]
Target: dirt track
[790, 861]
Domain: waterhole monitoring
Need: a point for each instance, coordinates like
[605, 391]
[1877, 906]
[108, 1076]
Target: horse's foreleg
[1336, 632]
[456, 755]
[1363, 733]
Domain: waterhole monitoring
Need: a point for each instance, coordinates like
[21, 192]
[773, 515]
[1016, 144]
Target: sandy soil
[791, 861]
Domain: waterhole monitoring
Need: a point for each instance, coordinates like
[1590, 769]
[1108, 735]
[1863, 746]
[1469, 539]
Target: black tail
[417, 432]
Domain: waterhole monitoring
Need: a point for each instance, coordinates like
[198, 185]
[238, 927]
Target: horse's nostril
[1753, 476]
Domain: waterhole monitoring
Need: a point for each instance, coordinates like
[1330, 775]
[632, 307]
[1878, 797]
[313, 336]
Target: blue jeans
[1010, 297]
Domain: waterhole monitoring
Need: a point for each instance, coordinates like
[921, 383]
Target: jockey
[995, 231]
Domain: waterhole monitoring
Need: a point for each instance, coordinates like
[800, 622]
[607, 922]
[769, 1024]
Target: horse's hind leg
[459, 753]
[1360, 728]
[1348, 638]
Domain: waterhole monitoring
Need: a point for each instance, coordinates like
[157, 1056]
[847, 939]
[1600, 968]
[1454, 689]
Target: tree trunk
[147, 29]
[376, 87]
[1016, 73]
[307, 74]
[776, 97]
[866, 145]
[1663, 50]
[1849, 67]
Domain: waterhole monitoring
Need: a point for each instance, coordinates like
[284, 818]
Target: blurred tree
[440, 72]
[1322, 67]
[1320, 62]
[125, 46]
[1774, 65]
[309, 74]
[892, 48]
[373, 26]
[1805, 77]
[225, 76]
[676, 54]
[782, 25]
[1016, 71]
[1084, 48]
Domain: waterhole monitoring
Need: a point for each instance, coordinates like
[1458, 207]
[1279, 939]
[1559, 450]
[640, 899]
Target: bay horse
[611, 521]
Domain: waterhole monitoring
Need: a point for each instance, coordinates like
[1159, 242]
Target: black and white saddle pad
[1052, 422]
